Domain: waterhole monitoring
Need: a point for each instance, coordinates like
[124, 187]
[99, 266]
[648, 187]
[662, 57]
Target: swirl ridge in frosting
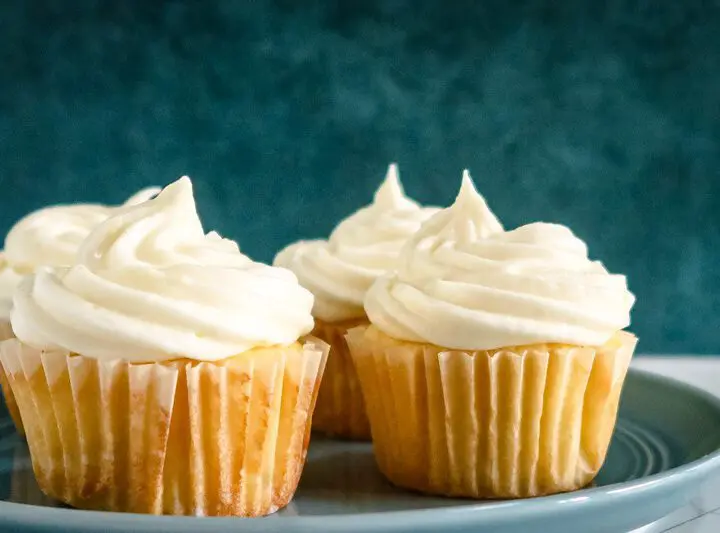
[464, 283]
[52, 235]
[150, 285]
[340, 270]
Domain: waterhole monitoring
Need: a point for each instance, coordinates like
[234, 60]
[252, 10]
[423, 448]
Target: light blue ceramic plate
[665, 446]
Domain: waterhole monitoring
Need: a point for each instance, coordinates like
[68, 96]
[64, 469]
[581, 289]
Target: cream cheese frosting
[50, 236]
[150, 285]
[340, 270]
[463, 283]
[9, 280]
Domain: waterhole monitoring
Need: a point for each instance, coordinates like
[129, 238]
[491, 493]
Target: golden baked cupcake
[338, 272]
[165, 372]
[494, 362]
[47, 237]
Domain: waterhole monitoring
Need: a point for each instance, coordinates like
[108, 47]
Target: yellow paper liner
[6, 332]
[222, 438]
[23, 486]
[340, 410]
[509, 423]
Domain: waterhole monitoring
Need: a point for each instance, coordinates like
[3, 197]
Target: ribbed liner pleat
[509, 423]
[6, 332]
[182, 437]
[340, 408]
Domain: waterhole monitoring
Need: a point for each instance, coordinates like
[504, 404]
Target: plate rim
[446, 517]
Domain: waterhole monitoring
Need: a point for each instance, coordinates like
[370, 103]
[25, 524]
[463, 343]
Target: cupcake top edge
[150, 285]
[361, 248]
[464, 283]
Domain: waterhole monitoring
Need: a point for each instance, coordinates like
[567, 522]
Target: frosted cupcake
[339, 272]
[165, 372]
[493, 364]
[47, 237]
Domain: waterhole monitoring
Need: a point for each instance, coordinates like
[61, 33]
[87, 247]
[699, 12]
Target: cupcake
[339, 272]
[50, 236]
[165, 372]
[493, 363]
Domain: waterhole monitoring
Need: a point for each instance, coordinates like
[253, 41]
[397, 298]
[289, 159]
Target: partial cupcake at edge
[493, 361]
[48, 237]
[338, 272]
[165, 372]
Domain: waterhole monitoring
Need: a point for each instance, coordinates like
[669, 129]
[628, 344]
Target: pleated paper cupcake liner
[509, 423]
[23, 486]
[340, 410]
[182, 437]
[6, 332]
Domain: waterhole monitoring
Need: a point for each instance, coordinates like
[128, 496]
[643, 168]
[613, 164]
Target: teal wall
[601, 115]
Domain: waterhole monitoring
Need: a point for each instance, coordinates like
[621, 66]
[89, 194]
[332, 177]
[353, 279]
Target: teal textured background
[604, 116]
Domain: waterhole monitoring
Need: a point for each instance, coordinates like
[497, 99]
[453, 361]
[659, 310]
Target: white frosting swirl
[9, 280]
[52, 236]
[461, 286]
[362, 247]
[150, 285]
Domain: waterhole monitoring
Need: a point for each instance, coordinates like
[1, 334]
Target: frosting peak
[143, 195]
[338, 271]
[469, 218]
[160, 233]
[150, 285]
[390, 194]
[464, 286]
